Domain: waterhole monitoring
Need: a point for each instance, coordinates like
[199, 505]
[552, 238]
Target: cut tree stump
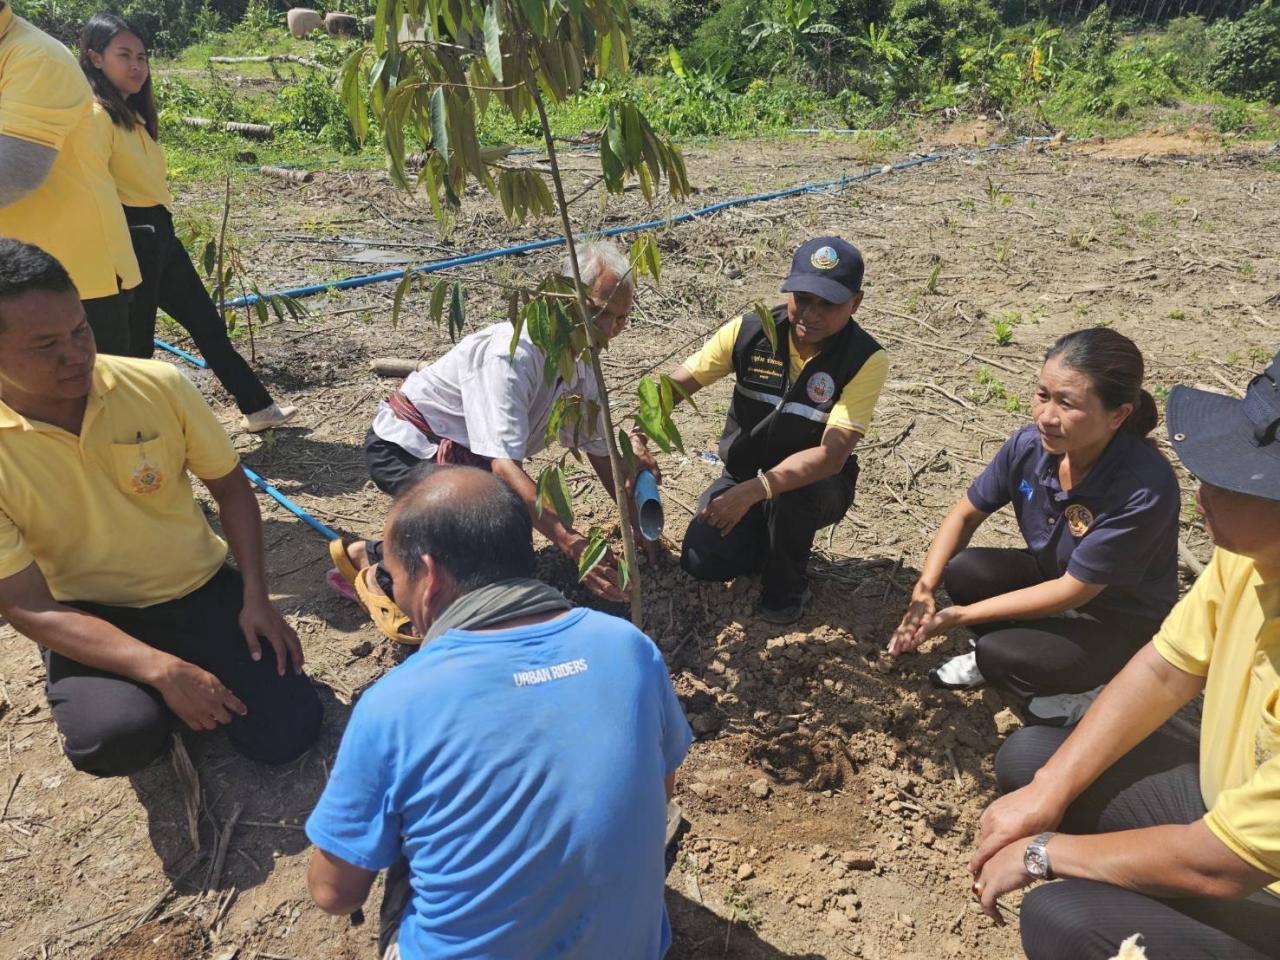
[256, 131]
[287, 173]
[272, 58]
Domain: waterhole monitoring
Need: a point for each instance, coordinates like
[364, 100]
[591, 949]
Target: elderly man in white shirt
[479, 405]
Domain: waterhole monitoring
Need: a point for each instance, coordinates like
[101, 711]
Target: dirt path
[832, 795]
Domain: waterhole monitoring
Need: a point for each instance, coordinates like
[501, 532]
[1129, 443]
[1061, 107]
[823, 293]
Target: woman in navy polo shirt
[1097, 505]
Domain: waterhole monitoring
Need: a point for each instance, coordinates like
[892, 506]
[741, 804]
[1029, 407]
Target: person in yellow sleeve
[106, 559]
[114, 60]
[55, 191]
[1162, 837]
[797, 413]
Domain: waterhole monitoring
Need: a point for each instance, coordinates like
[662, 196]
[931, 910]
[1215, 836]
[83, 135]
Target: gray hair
[599, 257]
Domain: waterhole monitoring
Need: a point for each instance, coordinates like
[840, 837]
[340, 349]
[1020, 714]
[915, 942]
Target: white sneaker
[958, 673]
[268, 417]
[1064, 709]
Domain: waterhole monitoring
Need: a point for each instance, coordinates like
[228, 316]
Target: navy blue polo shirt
[1118, 528]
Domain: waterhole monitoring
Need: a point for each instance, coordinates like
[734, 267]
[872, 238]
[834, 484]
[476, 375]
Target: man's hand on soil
[602, 580]
[197, 697]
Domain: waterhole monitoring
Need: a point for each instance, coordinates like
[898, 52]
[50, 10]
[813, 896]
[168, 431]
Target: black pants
[391, 467]
[112, 726]
[108, 318]
[170, 283]
[1047, 655]
[1154, 784]
[774, 537]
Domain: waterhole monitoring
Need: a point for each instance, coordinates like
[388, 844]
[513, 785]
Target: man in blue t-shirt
[513, 774]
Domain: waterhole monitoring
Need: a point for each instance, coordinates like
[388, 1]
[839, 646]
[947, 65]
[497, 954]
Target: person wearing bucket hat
[1176, 839]
[1097, 506]
[806, 385]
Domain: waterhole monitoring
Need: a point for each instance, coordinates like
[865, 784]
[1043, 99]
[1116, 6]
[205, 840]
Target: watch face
[1035, 862]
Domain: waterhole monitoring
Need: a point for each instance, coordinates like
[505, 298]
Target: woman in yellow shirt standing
[114, 60]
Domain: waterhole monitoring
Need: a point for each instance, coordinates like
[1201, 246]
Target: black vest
[771, 418]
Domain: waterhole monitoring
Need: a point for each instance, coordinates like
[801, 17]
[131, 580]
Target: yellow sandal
[386, 616]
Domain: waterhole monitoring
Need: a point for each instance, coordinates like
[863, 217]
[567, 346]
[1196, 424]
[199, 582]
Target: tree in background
[433, 69]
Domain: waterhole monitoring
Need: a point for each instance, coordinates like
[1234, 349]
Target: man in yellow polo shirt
[106, 560]
[1178, 844]
[55, 189]
[798, 410]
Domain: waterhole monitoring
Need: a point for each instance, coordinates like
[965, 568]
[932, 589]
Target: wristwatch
[1036, 860]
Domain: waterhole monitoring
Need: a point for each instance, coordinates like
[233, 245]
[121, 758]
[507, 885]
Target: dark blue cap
[1227, 442]
[827, 267]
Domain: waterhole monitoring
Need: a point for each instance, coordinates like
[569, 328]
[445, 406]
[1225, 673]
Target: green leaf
[353, 99]
[649, 414]
[624, 574]
[401, 289]
[553, 492]
[535, 11]
[628, 455]
[594, 553]
[645, 257]
[770, 328]
[493, 37]
[456, 316]
[632, 134]
[437, 301]
[209, 257]
[439, 124]
[677, 64]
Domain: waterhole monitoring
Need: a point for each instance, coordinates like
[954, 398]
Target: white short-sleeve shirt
[496, 406]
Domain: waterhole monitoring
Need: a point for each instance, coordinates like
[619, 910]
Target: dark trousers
[1154, 784]
[108, 318]
[391, 467]
[170, 283]
[774, 537]
[1047, 655]
[112, 726]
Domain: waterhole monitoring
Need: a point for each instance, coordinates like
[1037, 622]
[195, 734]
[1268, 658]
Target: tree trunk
[615, 456]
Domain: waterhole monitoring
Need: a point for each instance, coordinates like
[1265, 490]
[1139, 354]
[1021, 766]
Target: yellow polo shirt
[75, 214]
[135, 160]
[109, 516]
[1227, 630]
[852, 411]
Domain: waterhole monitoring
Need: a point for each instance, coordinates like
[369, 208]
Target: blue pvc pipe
[546, 243]
[288, 504]
[191, 358]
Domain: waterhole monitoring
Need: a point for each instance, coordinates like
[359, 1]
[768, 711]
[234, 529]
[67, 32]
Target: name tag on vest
[764, 371]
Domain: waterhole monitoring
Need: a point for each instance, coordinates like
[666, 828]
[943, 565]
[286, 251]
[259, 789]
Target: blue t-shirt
[521, 774]
[1118, 528]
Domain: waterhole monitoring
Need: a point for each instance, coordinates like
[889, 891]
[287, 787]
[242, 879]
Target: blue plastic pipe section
[386, 276]
[191, 358]
[289, 505]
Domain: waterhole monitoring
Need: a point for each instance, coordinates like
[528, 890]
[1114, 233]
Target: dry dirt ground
[832, 795]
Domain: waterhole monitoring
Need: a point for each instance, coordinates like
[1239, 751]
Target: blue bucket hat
[1230, 443]
[827, 267]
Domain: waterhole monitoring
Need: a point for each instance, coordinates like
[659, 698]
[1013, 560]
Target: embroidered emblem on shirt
[1261, 752]
[1079, 519]
[1026, 489]
[146, 478]
[825, 258]
[820, 387]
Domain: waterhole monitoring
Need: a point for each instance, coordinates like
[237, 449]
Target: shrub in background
[1247, 61]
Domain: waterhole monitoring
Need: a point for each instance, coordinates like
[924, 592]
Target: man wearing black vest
[797, 413]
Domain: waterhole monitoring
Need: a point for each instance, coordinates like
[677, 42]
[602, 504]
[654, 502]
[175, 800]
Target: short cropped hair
[25, 267]
[599, 257]
[475, 527]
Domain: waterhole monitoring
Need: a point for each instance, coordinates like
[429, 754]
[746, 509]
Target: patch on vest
[764, 370]
[1079, 519]
[825, 258]
[820, 388]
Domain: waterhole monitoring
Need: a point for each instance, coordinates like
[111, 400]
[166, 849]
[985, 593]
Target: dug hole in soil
[832, 795]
